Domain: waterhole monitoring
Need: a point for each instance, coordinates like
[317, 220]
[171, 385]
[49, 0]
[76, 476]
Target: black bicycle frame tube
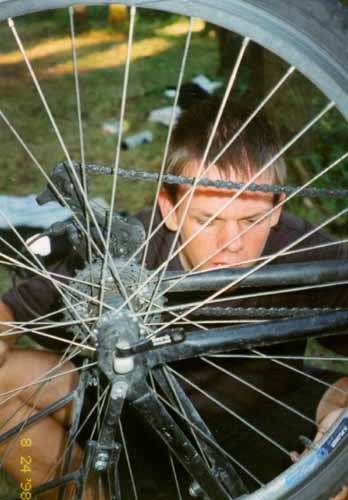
[304, 273]
[77, 396]
[225, 339]
[227, 473]
[153, 411]
[78, 403]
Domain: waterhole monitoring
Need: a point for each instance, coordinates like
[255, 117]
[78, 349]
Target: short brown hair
[255, 146]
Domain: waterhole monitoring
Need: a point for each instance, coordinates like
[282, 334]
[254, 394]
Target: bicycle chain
[265, 312]
[174, 179]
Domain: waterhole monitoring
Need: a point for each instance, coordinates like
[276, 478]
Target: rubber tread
[318, 28]
[311, 35]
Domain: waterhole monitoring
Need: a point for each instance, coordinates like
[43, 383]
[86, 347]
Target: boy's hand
[323, 427]
[327, 421]
[6, 316]
[329, 409]
[3, 352]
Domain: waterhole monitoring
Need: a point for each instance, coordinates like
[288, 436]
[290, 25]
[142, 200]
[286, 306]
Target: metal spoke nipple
[195, 490]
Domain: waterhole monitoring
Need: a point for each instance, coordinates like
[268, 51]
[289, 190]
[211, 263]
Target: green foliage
[330, 145]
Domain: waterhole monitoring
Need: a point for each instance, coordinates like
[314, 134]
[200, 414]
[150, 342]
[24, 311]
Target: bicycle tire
[299, 33]
[311, 36]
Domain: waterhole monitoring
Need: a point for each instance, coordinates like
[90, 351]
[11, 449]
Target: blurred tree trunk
[259, 72]
[81, 17]
[290, 109]
[117, 15]
[80, 11]
[252, 69]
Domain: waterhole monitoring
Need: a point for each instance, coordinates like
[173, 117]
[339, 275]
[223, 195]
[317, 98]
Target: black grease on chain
[174, 179]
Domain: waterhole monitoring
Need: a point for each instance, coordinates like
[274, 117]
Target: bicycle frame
[103, 454]
[127, 365]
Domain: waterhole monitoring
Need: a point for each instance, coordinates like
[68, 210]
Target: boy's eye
[201, 222]
[250, 221]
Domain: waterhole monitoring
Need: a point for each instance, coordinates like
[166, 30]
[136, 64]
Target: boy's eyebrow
[201, 213]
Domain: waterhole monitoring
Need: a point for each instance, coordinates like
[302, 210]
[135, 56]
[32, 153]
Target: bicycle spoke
[258, 259]
[42, 267]
[99, 403]
[58, 283]
[88, 299]
[222, 300]
[301, 372]
[63, 146]
[166, 148]
[35, 321]
[117, 159]
[211, 441]
[207, 322]
[254, 388]
[262, 264]
[263, 217]
[81, 135]
[47, 379]
[225, 98]
[175, 476]
[129, 465]
[32, 403]
[53, 122]
[294, 358]
[231, 412]
[52, 186]
[246, 185]
[181, 408]
[263, 103]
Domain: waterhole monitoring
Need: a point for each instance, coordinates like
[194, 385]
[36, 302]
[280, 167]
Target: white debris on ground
[132, 141]
[163, 115]
[198, 88]
[24, 211]
[112, 127]
[206, 84]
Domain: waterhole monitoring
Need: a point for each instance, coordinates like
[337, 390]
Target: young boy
[213, 232]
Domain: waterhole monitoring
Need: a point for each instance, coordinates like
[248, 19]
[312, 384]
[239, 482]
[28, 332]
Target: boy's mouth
[226, 265]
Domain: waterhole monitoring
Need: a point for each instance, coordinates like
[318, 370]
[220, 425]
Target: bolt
[306, 441]
[119, 390]
[101, 461]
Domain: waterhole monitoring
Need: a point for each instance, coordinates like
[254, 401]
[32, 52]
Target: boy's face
[220, 243]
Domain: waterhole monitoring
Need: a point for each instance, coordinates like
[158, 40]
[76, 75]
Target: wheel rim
[342, 101]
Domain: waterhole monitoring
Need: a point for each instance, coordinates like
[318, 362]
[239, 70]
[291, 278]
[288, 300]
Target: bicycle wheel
[296, 33]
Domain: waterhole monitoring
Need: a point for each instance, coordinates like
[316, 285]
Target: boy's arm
[6, 315]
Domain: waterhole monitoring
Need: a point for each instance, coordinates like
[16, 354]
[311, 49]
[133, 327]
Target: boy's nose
[229, 237]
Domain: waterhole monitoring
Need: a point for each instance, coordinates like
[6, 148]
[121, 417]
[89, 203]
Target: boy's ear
[166, 205]
[277, 213]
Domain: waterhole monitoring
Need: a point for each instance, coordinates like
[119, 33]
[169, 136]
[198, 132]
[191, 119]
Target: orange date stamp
[25, 463]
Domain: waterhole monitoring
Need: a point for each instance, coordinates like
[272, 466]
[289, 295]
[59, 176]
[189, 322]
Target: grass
[101, 57]
[156, 57]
